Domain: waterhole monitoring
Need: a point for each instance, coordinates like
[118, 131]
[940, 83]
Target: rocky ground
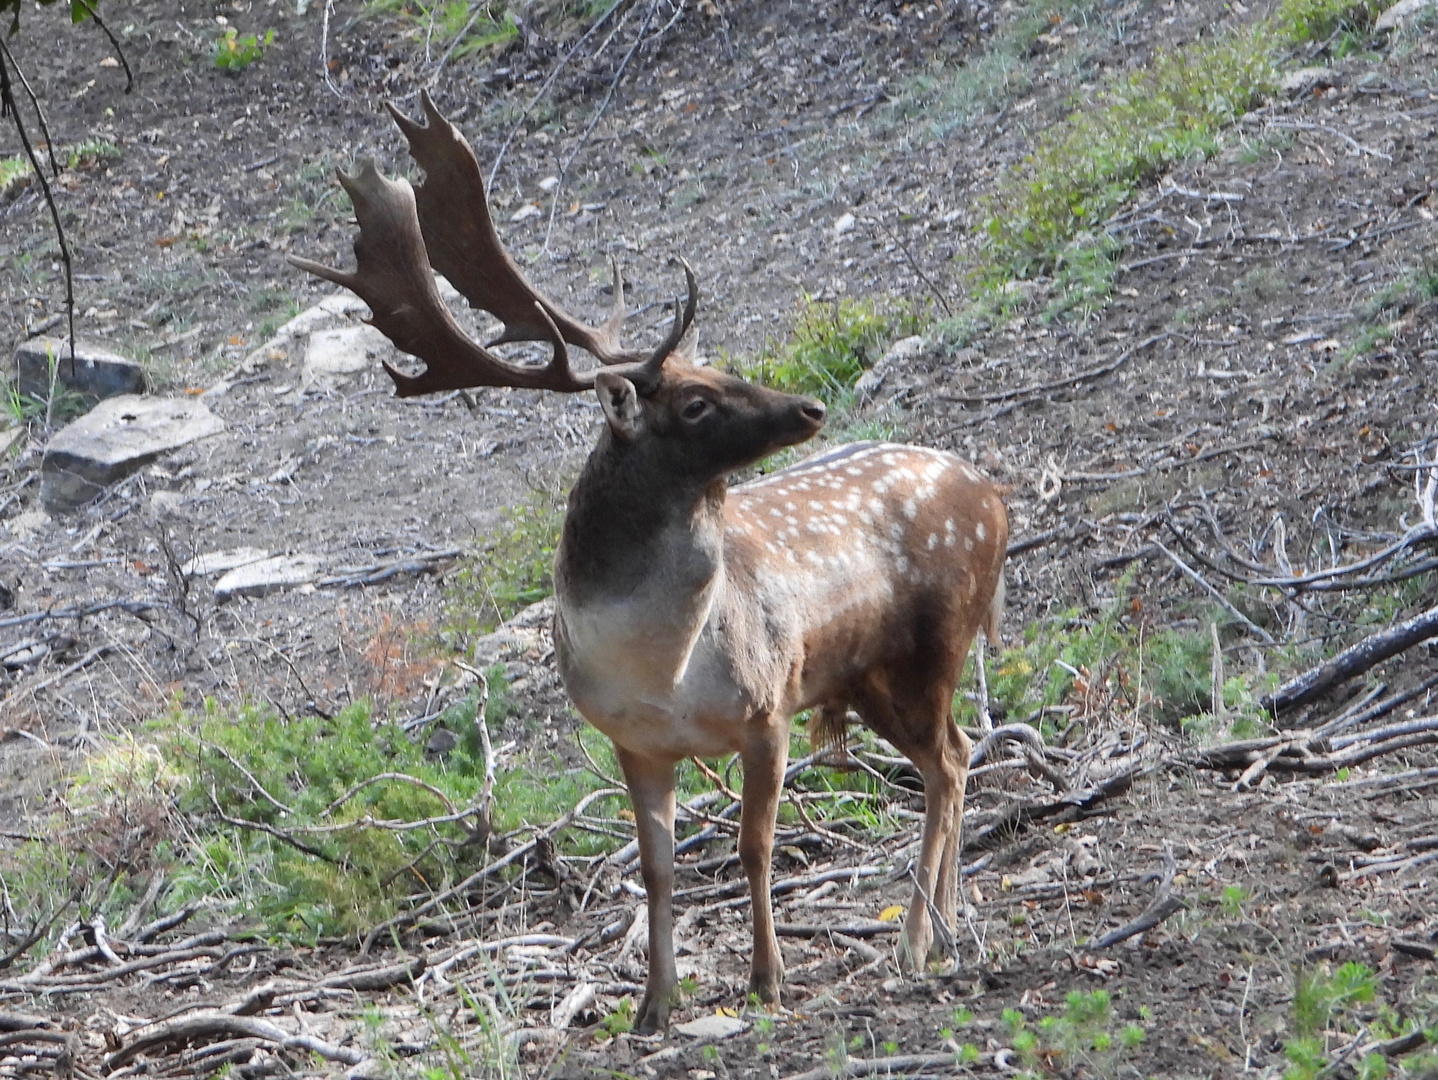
[1266, 357]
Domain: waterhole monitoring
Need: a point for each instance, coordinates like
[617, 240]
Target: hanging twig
[114, 43]
[9, 108]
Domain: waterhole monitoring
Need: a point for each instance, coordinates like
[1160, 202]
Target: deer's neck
[632, 528]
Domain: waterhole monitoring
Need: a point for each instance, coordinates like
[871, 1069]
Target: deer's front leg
[651, 788]
[766, 751]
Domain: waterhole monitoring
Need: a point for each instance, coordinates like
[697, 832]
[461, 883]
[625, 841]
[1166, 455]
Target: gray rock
[1402, 12]
[268, 576]
[712, 1027]
[1302, 81]
[97, 373]
[333, 355]
[120, 437]
[219, 562]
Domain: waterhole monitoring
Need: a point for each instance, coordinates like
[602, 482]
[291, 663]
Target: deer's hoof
[765, 986]
[653, 1015]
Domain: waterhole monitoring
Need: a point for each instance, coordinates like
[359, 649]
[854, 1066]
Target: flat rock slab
[97, 373]
[220, 562]
[268, 576]
[331, 356]
[712, 1027]
[120, 437]
[1402, 12]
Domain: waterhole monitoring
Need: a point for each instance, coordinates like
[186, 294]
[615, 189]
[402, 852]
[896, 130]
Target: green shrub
[233, 51]
[832, 345]
[1086, 167]
[1301, 21]
[515, 568]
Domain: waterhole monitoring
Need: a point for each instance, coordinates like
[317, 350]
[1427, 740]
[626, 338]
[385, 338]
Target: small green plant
[1232, 899]
[832, 345]
[1085, 1036]
[233, 51]
[1302, 21]
[1323, 1002]
[515, 568]
[1086, 167]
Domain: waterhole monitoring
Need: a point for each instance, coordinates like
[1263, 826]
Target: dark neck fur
[627, 517]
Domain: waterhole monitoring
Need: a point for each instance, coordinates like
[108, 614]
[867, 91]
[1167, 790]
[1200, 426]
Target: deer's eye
[695, 409]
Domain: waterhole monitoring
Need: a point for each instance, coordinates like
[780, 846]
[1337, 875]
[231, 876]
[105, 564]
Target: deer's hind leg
[918, 724]
[947, 901]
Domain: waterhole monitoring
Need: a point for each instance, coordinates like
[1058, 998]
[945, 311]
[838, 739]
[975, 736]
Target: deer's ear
[620, 402]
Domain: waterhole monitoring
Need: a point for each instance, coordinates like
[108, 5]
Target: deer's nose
[815, 411]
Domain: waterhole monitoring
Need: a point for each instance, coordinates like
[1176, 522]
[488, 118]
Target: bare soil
[738, 138]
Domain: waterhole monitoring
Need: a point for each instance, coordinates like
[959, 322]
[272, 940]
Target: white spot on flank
[902, 563]
[911, 509]
[968, 543]
[933, 541]
[896, 531]
[979, 530]
[854, 472]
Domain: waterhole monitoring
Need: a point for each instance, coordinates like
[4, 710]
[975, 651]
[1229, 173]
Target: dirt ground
[739, 137]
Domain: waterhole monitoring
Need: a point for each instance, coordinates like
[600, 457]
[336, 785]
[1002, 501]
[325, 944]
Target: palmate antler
[407, 232]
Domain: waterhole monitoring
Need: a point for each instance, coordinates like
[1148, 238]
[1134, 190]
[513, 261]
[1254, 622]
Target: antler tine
[646, 374]
[465, 247]
[394, 278]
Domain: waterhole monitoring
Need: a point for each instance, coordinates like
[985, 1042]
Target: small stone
[97, 373]
[1310, 79]
[333, 355]
[120, 437]
[218, 562]
[845, 224]
[908, 348]
[712, 1027]
[267, 576]
[1401, 12]
[548, 184]
[525, 212]
[29, 523]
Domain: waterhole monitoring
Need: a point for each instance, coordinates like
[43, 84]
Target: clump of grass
[1088, 166]
[832, 345]
[331, 785]
[514, 569]
[1115, 660]
[232, 51]
[490, 26]
[1299, 22]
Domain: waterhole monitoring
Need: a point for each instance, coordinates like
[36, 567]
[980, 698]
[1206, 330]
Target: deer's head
[697, 422]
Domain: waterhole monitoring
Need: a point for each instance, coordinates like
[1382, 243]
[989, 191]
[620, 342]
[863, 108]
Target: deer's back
[873, 555]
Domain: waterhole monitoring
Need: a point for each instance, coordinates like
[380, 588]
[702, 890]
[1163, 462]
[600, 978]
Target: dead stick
[1164, 904]
[1354, 660]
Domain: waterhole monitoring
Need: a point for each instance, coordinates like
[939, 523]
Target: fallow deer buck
[693, 619]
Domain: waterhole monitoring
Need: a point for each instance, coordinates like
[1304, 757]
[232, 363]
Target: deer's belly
[649, 690]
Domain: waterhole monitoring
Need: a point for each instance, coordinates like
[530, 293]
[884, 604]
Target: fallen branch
[1039, 389]
[1164, 904]
[897, 1065]
[208, 1025]
[1354, 660]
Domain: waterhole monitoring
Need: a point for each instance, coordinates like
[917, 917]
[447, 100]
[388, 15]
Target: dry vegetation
[1174, 270]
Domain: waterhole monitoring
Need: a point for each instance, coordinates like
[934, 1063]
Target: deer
[692, 618]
